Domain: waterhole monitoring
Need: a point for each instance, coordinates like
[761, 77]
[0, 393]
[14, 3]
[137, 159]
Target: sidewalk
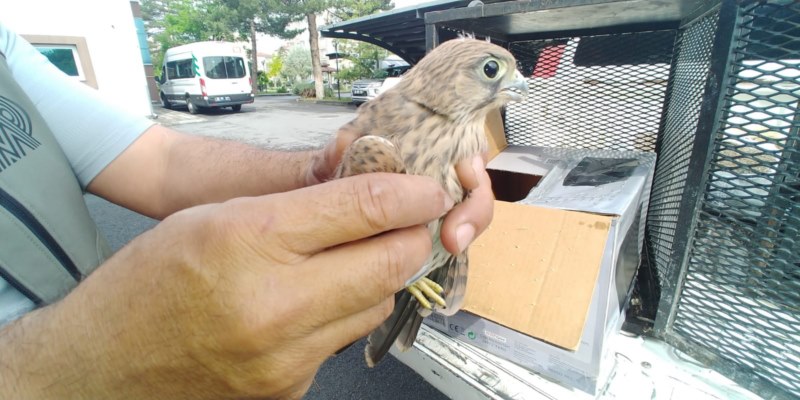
[175, 117]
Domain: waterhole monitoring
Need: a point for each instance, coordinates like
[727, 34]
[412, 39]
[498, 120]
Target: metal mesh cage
[741, 292]
[726, 253]
[716, 96]
[687, 89]
[595, 92]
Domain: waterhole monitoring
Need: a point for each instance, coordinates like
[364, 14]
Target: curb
[327, 102]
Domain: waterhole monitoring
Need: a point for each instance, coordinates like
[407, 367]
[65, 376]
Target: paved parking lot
[277, 122]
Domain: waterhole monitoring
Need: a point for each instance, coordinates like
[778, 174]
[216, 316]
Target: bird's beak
[517, 89]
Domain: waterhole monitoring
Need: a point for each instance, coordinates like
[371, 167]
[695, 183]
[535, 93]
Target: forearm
[203, 170]
[165, 171]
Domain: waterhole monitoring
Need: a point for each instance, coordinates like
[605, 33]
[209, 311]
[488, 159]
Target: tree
[175, 22]
[252, 16]
[308, 9]
[344, 10]
[276, 64]
[297, 64]
[366, 58]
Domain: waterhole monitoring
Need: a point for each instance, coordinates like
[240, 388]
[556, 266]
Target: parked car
[367, 89]
[205, 75]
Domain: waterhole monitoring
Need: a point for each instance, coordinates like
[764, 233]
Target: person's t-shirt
[91, 130]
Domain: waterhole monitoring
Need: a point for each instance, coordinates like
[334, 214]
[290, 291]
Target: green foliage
[366, 60]
[297, 64]
[307, 90]
[172, 23]
[263, 81]
[344, 10]
[267, 15]
[276, 64]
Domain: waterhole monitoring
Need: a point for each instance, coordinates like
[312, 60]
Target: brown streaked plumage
[425, 125]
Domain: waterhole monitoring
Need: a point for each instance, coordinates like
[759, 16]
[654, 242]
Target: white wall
[110, 33]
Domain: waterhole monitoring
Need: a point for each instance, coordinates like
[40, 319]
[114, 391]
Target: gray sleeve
[91, 130]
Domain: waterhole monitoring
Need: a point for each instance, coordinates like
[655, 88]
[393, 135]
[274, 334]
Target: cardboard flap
[495, 134]
[534, 270]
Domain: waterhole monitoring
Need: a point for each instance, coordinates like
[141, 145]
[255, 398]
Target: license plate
[359, 93]
[225, 98]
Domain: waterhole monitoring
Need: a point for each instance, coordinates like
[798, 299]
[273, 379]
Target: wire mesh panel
[741, 292]
[717, 99]
[594, 92]
[687, 89]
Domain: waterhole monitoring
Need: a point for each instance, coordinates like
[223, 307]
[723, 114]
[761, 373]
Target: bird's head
[465, 78]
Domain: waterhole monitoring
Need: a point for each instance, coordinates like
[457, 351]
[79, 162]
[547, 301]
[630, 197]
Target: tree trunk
[313, 39]
[254, 57]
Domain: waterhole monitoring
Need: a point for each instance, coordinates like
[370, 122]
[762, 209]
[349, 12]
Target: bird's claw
[425, 291]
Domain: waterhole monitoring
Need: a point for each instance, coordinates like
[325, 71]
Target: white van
[204, 75]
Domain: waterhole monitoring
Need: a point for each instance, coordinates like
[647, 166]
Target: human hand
[462, 225]
[240, 299]
[472, 216]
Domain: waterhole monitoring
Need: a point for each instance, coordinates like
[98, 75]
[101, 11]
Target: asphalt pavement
[284, 123]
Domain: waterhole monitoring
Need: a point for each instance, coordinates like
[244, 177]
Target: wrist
[38, 360]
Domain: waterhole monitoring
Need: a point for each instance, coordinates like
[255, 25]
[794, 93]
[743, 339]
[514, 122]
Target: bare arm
[165, 171]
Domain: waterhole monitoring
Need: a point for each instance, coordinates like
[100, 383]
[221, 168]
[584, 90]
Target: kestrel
[425, 125]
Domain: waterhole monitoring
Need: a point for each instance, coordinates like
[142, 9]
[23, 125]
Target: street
[280, 123]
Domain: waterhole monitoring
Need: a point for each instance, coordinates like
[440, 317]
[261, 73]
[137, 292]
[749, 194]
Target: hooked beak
[517, 89]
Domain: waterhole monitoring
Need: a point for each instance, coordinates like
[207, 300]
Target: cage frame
[506, 23]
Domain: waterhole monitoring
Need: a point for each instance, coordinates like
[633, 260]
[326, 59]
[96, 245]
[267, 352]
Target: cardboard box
[549, 278]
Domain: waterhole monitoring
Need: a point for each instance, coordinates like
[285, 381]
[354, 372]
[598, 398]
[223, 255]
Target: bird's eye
[491, 68]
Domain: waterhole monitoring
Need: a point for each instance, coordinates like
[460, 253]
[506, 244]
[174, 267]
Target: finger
[326, 161]
[466, 171]
[342, 332]
[363, 274]
[314, 218]
[471, 217]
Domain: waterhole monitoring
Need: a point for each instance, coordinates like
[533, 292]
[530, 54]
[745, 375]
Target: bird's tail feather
[401, 326]
[454, 283]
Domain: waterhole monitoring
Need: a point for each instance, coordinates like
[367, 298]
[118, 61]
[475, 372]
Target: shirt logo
[16, 136]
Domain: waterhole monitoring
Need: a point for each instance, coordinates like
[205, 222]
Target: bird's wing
[401, 327]
[453, 278]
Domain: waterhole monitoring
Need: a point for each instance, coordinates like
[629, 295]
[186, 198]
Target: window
[223, 67]
[69, 53]
[65, 57]
[180, 69]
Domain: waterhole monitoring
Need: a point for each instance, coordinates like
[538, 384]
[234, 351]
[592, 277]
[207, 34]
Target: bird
[425, 125]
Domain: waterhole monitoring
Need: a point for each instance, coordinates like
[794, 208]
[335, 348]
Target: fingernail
[465, 234]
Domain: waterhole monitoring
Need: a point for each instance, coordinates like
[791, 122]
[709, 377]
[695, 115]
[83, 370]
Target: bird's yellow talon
[433, 285]
[420, 297]
[429, 292]
[425, 291]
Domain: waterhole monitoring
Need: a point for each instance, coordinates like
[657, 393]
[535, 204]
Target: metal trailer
[713, 88]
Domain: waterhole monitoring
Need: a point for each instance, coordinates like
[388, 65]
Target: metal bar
[744, 378]
[378, 42]
[643, 27]
[431, 37]
[699, 163]
[509, 7]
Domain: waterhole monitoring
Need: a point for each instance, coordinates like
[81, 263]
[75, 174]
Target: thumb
[325, 162]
